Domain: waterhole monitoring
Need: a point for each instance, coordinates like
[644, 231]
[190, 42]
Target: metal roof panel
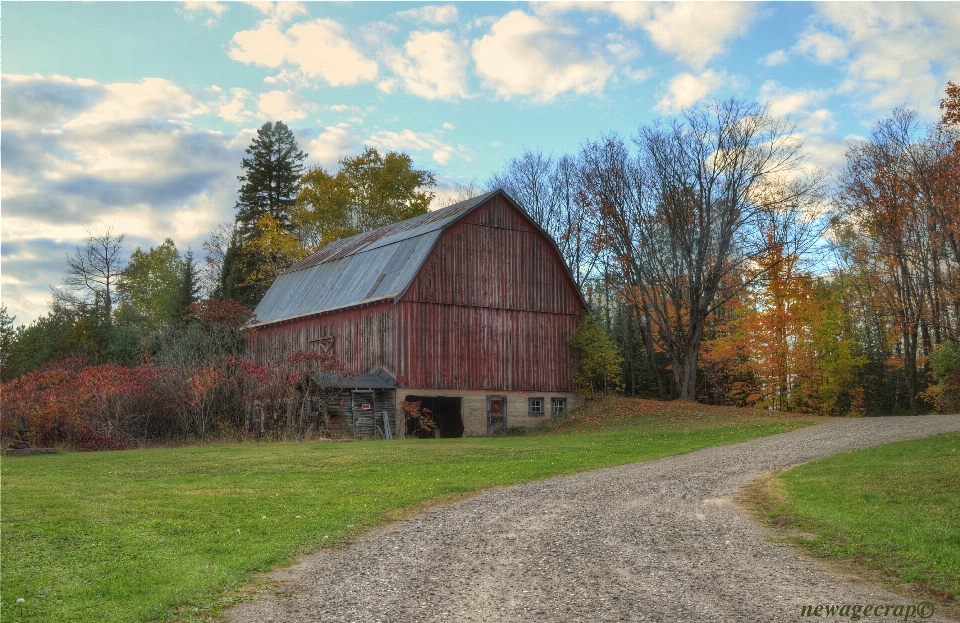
[378, 273]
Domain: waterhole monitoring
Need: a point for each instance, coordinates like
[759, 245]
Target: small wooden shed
[469, 309]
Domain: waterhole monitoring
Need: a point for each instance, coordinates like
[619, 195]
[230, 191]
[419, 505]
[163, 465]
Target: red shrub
[109, 406]
[220, 311]
[45, 402]
[87, 440]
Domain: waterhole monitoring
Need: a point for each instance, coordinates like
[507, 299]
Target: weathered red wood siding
[491, 308]
[365, 338]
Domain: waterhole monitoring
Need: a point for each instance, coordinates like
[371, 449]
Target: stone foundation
[474, 406]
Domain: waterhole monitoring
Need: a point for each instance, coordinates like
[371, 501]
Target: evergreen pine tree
[272, 177]
[188, 292]
[270, 185]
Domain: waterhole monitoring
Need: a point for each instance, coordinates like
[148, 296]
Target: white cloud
[234, 109]
[284, 105]
[899, 53]
[799, 105]
[826, 152]
[387, 85]
[408, 140]
[332, 144]
[128, 101]
[449, 126]
[537, 58]
[432, 14]
[192, 10]
[819, 121]
[637, 75]
[777, 57]
[283, 11]
[687, 89]
[343, 139]
[433, 65]
[308, 51]
[822, 46]
[269, 106]
[694, 32]
[81, 155]
[783, 102]
[621, 48]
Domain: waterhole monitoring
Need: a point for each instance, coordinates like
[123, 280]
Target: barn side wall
[492, 308]
[364, 338]
[459, 347]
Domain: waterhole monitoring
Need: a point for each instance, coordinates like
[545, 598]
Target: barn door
[363, 409]
[496, 414]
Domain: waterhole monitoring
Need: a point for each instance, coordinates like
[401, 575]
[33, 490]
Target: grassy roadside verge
[167, 534]
[890, 512]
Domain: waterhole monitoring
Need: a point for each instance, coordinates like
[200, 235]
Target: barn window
[536, 406]
[324, 344]
[558, 406]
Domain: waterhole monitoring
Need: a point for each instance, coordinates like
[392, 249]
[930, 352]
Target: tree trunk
[910, 367]
[688, 383]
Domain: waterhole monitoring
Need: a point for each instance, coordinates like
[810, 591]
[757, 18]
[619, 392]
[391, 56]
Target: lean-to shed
[468, 309]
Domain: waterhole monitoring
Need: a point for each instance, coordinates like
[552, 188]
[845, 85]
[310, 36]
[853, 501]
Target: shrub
[108, 407]
[599, 360]
[87, 440]
[945, 366]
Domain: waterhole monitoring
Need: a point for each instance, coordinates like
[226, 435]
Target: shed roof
[379, 379]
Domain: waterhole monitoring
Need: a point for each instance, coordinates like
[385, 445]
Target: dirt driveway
[654, 541]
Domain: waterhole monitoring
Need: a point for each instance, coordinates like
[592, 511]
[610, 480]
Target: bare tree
[92, 272]
[881, 200]
[547, 188]
[703, 202]
[527, 180]
[460, 192]
[216, 245]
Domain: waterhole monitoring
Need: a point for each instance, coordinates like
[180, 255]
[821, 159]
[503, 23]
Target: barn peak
[372, 266]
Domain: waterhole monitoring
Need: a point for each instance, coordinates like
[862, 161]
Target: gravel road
[654, 541]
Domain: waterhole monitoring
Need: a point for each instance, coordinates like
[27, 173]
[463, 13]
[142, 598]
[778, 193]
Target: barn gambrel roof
[373, 266]
[368, 267]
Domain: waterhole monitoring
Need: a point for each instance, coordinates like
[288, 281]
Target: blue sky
[135, 115]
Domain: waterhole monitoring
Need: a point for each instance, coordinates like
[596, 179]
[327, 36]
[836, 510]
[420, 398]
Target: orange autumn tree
[781, 323]
[730, 371]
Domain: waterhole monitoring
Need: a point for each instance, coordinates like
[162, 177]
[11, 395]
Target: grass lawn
[173, 533]
[893, 510]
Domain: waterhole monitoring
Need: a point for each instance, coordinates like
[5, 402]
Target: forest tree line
[719, 265]
[726, 269]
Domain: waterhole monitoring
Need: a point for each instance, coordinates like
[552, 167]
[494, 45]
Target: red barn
[468, 309]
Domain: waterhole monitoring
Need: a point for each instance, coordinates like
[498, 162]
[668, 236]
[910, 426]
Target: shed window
[558, 406]
[536, 406]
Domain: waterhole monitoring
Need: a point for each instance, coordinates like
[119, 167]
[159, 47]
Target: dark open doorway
[447, 413]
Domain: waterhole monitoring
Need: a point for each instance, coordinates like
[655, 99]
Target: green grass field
[893, 510]
[175, 533]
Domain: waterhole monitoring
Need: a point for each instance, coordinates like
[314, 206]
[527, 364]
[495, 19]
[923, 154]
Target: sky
[135, 116]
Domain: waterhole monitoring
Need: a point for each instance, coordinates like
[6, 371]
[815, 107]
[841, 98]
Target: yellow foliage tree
[369, 191]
